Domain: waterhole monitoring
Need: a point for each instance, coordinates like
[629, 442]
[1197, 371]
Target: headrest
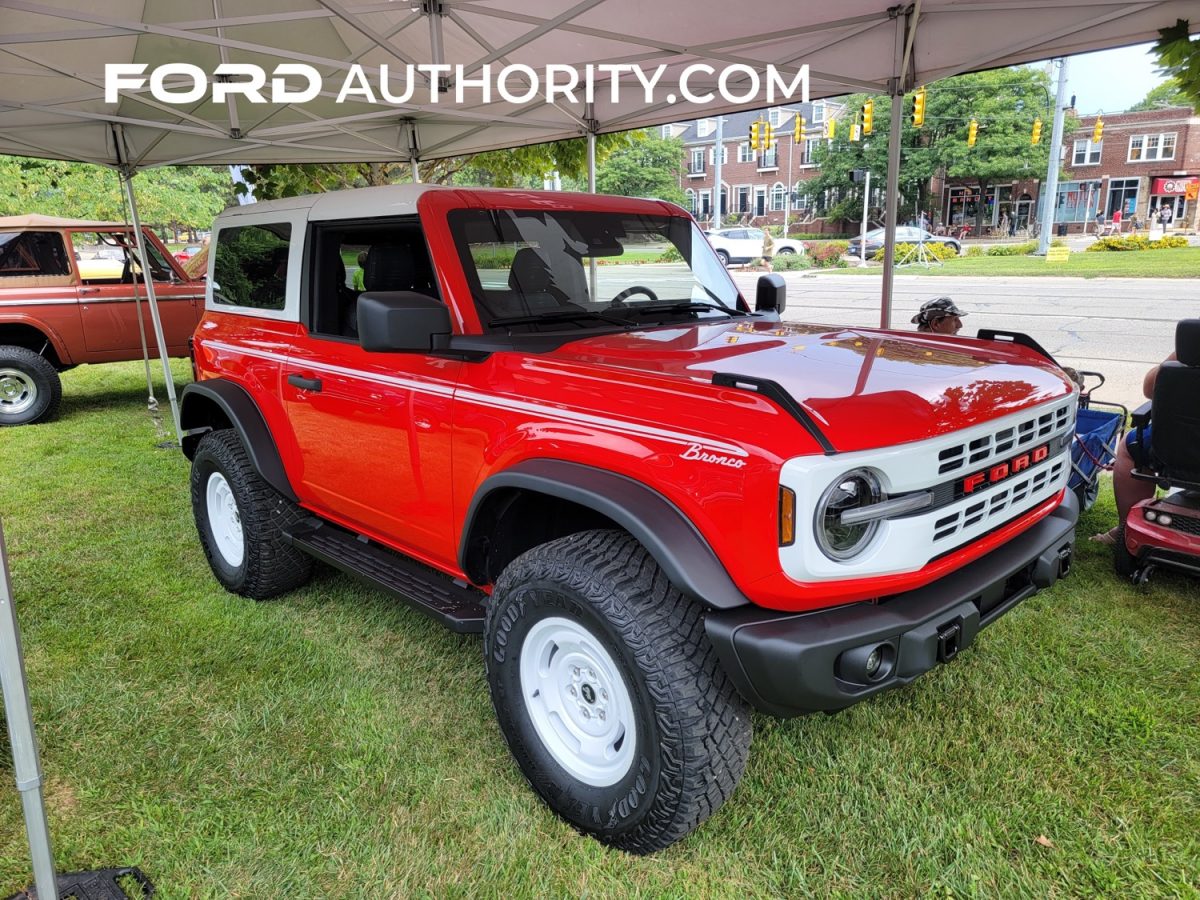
[1187, 342]
[389, 267]
[529, 273]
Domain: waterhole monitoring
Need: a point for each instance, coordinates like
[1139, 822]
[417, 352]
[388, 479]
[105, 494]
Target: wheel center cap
[589, 693]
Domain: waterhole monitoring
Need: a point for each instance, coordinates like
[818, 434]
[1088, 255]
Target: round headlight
[854, 490]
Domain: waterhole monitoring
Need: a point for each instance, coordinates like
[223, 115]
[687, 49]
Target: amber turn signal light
[787, 517]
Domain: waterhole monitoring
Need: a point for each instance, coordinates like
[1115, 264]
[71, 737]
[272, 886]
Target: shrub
[1023, 249]
[791, 261]
[975, 250]
[908, 252]
[670, 255]
[1118, 243]
[827, 254]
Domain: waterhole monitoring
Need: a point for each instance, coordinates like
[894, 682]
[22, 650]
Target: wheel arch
[217, 403]
[22, 331]
[553, 498]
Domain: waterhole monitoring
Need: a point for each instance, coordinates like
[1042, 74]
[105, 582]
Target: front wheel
[723, 257]
[30, 389]
[608, 693]
[787, 251]
[240, 519]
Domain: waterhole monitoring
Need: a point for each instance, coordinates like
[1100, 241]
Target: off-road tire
[30, 389]
[693, 729]
[269, 565]
[1123, 561]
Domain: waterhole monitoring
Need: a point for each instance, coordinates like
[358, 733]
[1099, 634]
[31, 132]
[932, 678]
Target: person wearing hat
[939, 316]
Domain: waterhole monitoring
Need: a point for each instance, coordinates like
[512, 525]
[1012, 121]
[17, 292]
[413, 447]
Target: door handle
[89, 290]
[305, 384]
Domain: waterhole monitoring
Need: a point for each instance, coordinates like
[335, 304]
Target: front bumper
[789, 664]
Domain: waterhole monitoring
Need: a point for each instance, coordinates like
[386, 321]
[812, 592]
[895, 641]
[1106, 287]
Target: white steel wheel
[225, 520]
[18, 392]
[578, 703]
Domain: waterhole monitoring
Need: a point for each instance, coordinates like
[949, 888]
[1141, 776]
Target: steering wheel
[629, 291]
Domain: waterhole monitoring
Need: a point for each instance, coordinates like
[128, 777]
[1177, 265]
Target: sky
[1111, 80]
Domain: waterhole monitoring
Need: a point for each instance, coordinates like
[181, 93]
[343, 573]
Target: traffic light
[919, 108]
[768, 137]
[798, 134]
[972, 131]
[755, 135]
[1037, 131]
[854, 131]
[831, 128]
[1098, 131]
[868, 117]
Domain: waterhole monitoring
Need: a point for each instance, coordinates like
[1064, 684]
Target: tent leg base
[98, 884]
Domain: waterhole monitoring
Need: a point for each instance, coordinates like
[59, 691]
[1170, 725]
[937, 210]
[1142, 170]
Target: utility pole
[717, 220]
[1051, 198]
[862, 246]
[787, 193]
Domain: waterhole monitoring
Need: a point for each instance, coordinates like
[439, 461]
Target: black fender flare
[243, 413]
[668, 535]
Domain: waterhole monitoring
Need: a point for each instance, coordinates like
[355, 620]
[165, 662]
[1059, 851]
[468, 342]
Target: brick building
[1144, 161]
[758, 188]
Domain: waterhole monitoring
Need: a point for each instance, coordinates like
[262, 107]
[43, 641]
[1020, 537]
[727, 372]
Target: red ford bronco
[661, 507]
[68, 296]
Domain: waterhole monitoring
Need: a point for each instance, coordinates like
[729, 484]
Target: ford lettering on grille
[1002, 470]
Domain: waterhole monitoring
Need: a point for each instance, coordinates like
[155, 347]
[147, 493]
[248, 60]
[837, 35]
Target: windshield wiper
[566, 315]
[682, 306]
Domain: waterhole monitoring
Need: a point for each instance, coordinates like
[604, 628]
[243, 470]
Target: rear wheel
[787, 251]
[1123, 560]
[608, 693]
[240, 519]
[30, 389]
[723, 257]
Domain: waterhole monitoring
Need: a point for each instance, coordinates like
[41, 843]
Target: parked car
[188, 252]
[906, 234]
[67, 296]
[743, 245]
[661, 507]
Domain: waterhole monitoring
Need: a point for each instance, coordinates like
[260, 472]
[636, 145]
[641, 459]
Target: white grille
[999, 505]
[981, 451]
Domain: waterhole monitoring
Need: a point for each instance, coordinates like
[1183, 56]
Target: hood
[864, 388]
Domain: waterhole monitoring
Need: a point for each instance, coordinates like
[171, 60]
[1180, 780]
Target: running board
[454, 604]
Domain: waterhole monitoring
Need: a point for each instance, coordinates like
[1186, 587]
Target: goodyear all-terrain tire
[30, 389]
[240, 519]
[608, 693]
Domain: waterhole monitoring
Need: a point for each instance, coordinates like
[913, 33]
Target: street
[1117, 326]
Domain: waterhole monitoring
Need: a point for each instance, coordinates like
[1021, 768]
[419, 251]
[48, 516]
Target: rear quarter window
[250, 268]
[26, 254]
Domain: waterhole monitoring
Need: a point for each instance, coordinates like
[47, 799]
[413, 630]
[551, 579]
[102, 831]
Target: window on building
[1149, 147]
[778, 195]
[696, 165]
[1077, 201]
[818, 112]
[724, 154]
[799, 197]
[690, 200]
[806, 152]
[769, 159]
[705, 127]
[705, 204]
[775, 116]
[1122, 195]
[1086, 153]
[745, 154]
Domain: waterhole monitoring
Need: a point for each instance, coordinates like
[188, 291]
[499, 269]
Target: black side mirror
[402, 321]
[771, 295]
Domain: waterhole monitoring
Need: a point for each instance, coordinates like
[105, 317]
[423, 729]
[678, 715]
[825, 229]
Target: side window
[250, 268]
[351, 259]
[102, 255]
[32, 253]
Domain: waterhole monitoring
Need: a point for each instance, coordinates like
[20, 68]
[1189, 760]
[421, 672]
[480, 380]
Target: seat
[545, 284]
[1175, 413]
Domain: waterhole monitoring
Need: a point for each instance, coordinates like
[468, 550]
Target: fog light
[1164, 519]
[873, 663]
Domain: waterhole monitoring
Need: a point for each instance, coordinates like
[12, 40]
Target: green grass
[332, 743]
[1180, 263]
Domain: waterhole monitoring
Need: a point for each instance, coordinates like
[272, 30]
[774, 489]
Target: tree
[1004, 102]
[172, 198]
[649, 167]
[518, 167]
[1169, 93]
[1179, 56]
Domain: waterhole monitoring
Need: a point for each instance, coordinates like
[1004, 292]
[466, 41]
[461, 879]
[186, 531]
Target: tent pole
[416, 171]
[891, 199]
[127, 173]
[589, 117]
[26, 768]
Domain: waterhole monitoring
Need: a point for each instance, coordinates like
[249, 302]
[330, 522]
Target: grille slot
[1001, 503]
[1005, 440]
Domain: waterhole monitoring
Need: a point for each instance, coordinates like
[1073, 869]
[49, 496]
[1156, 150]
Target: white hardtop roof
[54, 53]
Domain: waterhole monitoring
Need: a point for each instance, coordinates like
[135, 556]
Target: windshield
[535, 270]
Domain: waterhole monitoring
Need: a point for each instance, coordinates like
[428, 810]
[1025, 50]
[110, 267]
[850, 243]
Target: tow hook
[1064, 562]
[949, 641]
